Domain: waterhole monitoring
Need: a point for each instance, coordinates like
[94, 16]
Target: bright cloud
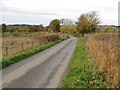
[43, 11]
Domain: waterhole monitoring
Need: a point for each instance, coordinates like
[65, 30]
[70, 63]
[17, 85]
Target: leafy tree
[4, 28]
[87, 22]
[54, 26]
[69, 29]
[66, 22]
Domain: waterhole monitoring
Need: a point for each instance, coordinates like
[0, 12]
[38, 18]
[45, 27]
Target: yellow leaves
[88, 22]
[70, 29]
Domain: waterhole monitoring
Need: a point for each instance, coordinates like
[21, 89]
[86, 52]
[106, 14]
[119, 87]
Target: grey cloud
[7, 9]
[24, 20]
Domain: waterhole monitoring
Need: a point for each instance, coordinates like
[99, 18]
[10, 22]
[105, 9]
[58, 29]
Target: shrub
[109, 29]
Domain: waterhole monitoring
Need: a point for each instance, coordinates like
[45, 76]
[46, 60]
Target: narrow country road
[42, 70]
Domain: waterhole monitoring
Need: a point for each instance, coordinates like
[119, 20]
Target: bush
[48, 38]
[109, 29]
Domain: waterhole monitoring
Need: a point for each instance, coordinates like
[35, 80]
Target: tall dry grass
[13, 45]
[105, 48]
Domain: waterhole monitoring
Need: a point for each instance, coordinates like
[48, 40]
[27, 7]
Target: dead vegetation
[105, 48]
[13, 45]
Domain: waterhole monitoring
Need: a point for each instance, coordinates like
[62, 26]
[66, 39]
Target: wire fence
[14, 49]
[11, 49]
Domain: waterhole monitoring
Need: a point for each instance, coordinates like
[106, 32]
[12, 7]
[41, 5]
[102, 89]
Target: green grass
[22, 55]
[82, 71]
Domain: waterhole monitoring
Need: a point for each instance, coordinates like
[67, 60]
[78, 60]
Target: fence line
[14, 48]
[7, 51]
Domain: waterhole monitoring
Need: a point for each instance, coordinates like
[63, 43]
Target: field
[14, 44]
[104, 49]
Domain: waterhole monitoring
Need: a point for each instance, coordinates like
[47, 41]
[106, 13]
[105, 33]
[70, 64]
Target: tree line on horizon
[86, 23]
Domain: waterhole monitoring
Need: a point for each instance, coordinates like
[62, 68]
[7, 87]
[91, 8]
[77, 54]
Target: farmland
[14, 44]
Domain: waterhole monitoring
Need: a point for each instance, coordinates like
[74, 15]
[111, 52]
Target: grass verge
[22, 55]
[82, 71]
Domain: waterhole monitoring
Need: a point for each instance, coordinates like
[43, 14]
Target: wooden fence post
[47, 39]
[22, 47]
[32, 44]
[7, 51]
[39, 43]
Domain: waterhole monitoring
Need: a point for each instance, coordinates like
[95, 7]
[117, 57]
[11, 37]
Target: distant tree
[46, 28]
[24, 28]
[62, 21]
[109, 29]
[4, 28]
[66, 21]
[41, 28]
[35, 28]
[30, 28]
[54, 26]
[88, 22]
[69, 29]
[69, 21]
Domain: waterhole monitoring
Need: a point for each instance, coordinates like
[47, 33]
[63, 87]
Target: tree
[41, 28]
[69, 29]
[88, 22]
[54, 26]
[36, 29]
[4, 28]
[46, 28]
[62, 21]
[30, 28]
[66, 21]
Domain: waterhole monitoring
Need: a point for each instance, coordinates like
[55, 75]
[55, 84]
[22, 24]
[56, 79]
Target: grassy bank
[82, 71]
[22, 55]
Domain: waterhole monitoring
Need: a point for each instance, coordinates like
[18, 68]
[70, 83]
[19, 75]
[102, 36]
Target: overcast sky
[43, 11]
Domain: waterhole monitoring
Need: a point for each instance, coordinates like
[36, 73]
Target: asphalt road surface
[42, 70]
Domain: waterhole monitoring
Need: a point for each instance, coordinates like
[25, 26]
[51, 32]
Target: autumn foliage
[88, 22]
[54, 26]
